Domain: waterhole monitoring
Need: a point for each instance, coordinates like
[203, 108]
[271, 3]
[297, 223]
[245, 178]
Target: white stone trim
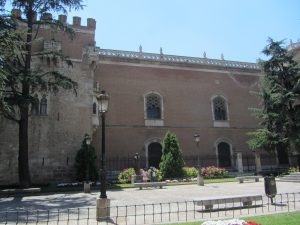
[219, 123]
[154, 123]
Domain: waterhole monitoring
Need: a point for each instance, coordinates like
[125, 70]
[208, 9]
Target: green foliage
[190, 172]
[171, 161]
[20, 78]
[213, 172]
[293, 169]
[85, 162]
[158, 174]
[279, 91]
[125, 175]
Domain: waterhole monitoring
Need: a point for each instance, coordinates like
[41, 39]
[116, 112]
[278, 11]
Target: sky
[237, 28]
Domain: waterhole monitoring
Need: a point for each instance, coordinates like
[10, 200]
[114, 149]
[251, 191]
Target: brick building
[149, 95]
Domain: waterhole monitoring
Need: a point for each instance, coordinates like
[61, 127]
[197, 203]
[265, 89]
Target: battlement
[91, 23]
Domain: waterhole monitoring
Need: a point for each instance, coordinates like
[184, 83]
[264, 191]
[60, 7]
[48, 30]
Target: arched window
[43, 106]
[153, 106]
[220, 108]
[94, 108]
[35, 105]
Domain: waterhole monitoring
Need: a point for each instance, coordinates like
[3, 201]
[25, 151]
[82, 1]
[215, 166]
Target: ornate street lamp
[86, 186]
[137, 162]
[103, 99]
[197, 141]
[200, 180]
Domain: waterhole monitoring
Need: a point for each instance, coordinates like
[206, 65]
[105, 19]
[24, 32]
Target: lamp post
[197, 140]
[86, 186]
[103, 99]
[200, 180]
[103, 203]
[137, 162]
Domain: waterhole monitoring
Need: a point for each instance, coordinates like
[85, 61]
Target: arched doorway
[224, 155]
[154, 154]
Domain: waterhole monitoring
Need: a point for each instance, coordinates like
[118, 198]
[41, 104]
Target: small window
[94, 108]
[43, 107]
[35, 105]
[153, 106]
[220, 109]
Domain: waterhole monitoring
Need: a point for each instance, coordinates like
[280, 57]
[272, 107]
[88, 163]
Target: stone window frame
[153, 121]
[44, 105]
[38, 110]
[35, 106]
[220, 123]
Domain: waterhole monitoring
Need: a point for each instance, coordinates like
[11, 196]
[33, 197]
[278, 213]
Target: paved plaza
[134, 196]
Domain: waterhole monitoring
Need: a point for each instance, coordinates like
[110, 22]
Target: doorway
[154, 154]
[224, 155]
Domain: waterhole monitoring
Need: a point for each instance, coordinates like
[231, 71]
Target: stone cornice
[173, 59]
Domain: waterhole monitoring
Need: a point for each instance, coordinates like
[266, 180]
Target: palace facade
[150, 94]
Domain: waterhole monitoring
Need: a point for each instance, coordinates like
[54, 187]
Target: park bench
[208, 202]
[150, 184]
[241, 179]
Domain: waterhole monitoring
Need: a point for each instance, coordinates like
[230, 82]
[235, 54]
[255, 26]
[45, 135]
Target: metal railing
[156, 213]
[268, 162]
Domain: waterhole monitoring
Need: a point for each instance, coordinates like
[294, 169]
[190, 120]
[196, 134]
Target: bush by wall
[125, 175]
[158, 174]
[85, 162]
[190, 172]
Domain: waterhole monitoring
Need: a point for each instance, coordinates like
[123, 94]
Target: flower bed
[213, 172]
[229, 222]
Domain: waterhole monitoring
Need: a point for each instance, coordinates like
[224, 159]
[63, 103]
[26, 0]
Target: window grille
[220, 111]
[153, 106]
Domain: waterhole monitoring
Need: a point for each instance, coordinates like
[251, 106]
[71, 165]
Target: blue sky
[237, 28]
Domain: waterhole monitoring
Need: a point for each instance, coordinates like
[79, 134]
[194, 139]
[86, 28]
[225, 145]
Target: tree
[279, 93]
[22, 78]
[8, 49]
[85, 163]
[171, 160]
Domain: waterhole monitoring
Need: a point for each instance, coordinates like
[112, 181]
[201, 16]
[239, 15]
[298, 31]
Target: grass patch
[206, 181]
[274, 219]
[219, 180]
[277, 219]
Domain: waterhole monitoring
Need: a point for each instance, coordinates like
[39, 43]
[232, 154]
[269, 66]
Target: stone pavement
[133, 196]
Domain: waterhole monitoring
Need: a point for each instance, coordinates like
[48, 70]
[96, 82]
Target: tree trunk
[24, 175]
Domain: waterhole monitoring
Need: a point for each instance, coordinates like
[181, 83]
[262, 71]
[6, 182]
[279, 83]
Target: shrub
[213, 172]
[190, 172]
[125, 175]
[293, 169]
[158, 174]
[85, 162]
[171, 160]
